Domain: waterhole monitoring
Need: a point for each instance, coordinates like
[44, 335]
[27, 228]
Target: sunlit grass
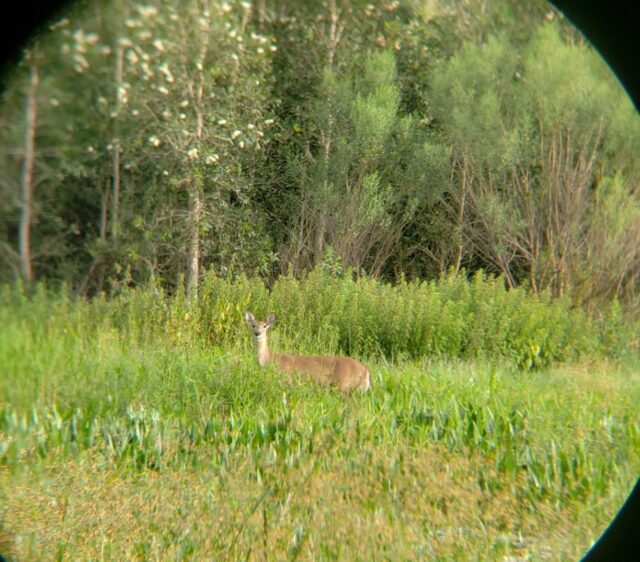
[117, 447]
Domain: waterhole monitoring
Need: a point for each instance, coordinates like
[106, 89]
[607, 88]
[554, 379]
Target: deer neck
[264, 353]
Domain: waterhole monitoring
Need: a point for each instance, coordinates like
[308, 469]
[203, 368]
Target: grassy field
[116, 447]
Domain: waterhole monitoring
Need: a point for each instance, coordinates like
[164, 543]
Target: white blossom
[246, 5]
[147, 11]
[251, 126]
[80, 60]
[268, 121]
[213, 159]
[92, 38]
[135, 112]
[164, 68]
[260, 50]
[125, 42]
[163, 90]
[65, 49]
[165, 173]
[157, 43]
[184, 103]
[54, 102]
[147, 70]
[78, 36]
[241, 144]
[222, 122]
[166, 114]
[259, 38]
[273, 48]
[144, 35]
[226, 8]
[154, 140]
[236, 134]
[105, 50]
[193, 153]
[90, 149]
[122, 94]
[132, 57]
[64, 22]
[183, 116]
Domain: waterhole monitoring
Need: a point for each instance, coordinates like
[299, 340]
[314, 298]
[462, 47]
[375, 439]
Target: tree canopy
[157, 140]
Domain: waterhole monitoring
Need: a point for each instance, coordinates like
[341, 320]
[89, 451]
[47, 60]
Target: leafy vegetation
[158, 141]
[150, 426]
[445, 190]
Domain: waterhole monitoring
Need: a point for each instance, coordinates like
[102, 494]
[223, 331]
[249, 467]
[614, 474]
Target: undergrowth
[497, 421]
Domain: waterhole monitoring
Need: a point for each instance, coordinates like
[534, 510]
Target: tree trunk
[193, 265]
[460, 219]
[115, 198]
[335, 32]
[319, 238]
[196, 194]
[31, 111]
[104, 205]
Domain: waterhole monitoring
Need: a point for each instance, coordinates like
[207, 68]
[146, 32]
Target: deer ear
[271, 319]
[249, 318]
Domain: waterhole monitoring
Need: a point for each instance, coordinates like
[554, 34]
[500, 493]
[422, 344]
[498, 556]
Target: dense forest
[156, 141]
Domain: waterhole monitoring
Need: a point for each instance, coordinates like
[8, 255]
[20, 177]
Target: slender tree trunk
[319, 238]
[460, 218]
[193, 265]
[196, 194]
[115, 198]
[31, 110]
[335, 31]
[104, 205]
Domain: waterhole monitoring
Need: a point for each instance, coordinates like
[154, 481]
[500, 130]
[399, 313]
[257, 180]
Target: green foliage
[153, 414]
[143, 389]
[532, 136]
[450, 318]
[405, 138]
[471, 95]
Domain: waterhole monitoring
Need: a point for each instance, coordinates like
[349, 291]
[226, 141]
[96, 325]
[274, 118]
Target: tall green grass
[453, 317]
[468, 389]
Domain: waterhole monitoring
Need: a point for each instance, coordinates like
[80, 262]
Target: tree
[530, 138]
[363, 181]
[31, 112]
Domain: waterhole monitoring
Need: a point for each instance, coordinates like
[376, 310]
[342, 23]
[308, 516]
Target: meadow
[501, 425]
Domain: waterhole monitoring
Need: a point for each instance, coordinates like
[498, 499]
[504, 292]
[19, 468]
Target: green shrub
[452, 317]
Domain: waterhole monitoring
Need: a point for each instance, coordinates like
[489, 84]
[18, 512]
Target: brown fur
[344, 372]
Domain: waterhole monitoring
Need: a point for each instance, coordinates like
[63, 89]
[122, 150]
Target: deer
[344, 372]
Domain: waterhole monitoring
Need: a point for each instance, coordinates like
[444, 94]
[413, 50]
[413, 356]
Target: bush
[452, 317]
